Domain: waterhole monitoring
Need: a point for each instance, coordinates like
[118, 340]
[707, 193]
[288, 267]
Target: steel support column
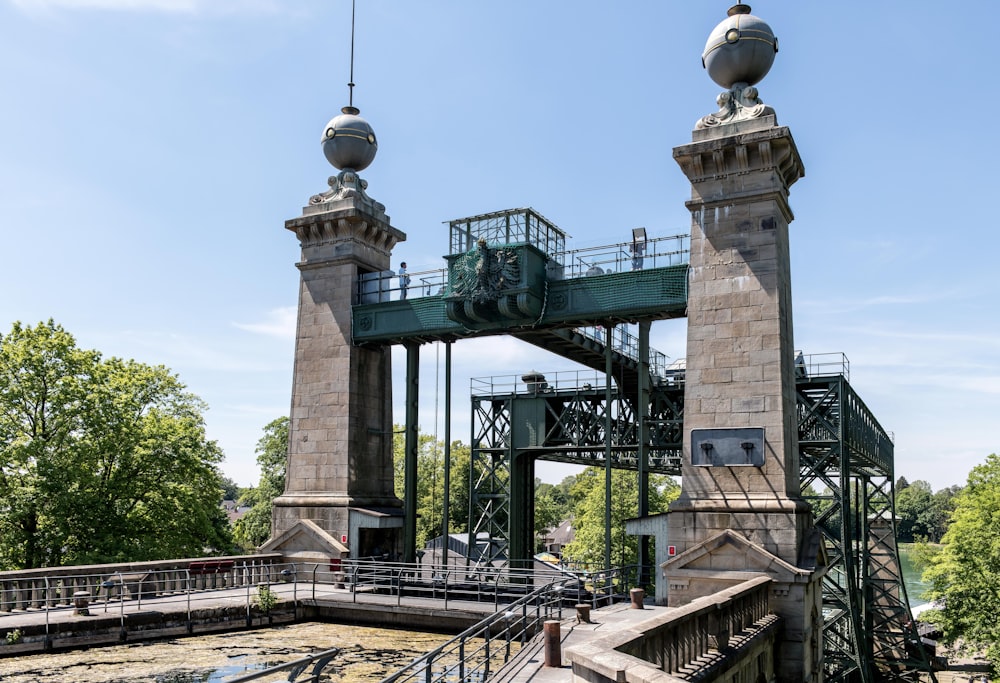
[445, 506]
[608, 368]
[410, 453]
[642, 451]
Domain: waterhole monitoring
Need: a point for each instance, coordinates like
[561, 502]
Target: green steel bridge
[510, 273]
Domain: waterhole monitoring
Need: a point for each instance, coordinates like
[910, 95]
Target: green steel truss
[846, 464]
[511, 431]
[525, 286]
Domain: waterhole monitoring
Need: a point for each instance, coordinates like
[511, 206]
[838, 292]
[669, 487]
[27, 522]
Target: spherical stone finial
[349, 141]
[740, 49]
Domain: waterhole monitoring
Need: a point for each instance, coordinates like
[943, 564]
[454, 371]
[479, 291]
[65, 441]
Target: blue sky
[152, 150]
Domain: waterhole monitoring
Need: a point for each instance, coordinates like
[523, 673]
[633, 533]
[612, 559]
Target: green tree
[430, 484]
[965, 574]
[914, 510]
[552, 507]
[588, 514]
[945, 501]
[230, 489]
[254, 527]
[100, 460]
[820, 501]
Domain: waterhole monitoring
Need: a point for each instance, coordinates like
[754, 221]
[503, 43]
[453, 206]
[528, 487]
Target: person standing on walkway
[404, 280]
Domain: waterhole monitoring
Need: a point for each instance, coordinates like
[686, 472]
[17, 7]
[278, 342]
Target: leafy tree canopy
[923, 515]
[589, 505]
[100, 460]
[254, 527]
[965, 574]
[230, 489]
[430, 484]
[552, 507]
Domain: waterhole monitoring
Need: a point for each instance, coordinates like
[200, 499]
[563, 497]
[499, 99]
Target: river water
[367, 654]
[911, 577]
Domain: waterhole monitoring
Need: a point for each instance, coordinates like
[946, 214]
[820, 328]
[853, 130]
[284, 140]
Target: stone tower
[740, 513]
[338, 499]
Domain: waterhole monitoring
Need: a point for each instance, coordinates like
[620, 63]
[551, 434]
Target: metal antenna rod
[350, 85]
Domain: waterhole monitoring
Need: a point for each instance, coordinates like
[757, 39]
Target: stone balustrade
[729, 635]
[52, 587]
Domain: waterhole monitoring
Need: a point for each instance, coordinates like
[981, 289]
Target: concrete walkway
[180, 603]
[111, 621]
[529, 663]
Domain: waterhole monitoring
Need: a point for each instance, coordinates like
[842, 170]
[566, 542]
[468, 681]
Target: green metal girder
[868, 631]
[651, 294]
[844, 454]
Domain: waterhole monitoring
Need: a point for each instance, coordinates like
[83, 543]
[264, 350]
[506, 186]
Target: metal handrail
[319, 661]
[54, 594]
[658, 252]
[456, 659]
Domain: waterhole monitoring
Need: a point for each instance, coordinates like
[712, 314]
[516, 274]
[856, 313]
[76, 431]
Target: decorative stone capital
[345, 235]
[752, 148]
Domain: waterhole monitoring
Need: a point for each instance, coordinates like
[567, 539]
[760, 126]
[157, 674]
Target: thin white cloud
[182, 353]
[829, 306]
[279, 322]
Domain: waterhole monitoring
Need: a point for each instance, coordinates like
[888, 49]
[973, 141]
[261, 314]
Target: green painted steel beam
[411, 447]
[633, 296]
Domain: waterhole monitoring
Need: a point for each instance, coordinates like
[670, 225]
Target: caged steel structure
[509, 273]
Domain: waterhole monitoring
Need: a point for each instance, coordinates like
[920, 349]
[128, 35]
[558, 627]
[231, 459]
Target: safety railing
[318, 662]
[496, 585]
[181, 586]
[659, 252]
[599, 586]
[128, 587]
[563, 380]
[627, 344]
[822, 365]
[53, 587]
[390, 285]
[519, 599]
[480, 651]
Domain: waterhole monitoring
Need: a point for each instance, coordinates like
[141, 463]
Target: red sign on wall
[671, 550]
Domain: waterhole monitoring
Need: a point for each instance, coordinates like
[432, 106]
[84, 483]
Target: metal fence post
[249, 615]
[121, 601]
[48, 642]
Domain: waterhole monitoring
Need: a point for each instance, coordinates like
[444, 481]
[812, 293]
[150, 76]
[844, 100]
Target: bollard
[81, 602]
[637, 595]
[583, 613]
[553, 644]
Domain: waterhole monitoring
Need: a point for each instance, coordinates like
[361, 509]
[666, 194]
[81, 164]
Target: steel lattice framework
[846, 465]
[510, 431]
[635, 420]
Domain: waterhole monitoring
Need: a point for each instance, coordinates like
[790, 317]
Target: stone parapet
[728, 636]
